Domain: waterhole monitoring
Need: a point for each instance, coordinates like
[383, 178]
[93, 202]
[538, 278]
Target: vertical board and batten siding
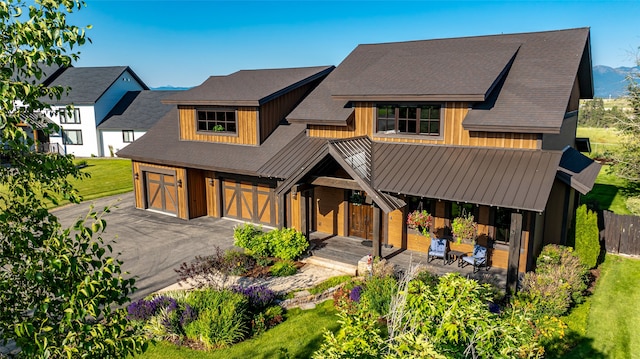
[246, 118]
[212, 189]
[139, 187]
[454, 134]
[621, 234]
[330, 210]
[294, 209]
[274, 111]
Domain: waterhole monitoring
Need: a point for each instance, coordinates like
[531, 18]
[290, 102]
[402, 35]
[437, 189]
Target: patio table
[455, 255]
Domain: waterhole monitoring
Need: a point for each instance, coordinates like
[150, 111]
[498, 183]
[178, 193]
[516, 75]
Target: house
[483, 125]
[130, 118]
[94, 93]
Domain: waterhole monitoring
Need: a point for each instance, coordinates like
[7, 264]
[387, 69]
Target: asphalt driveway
[152, 245]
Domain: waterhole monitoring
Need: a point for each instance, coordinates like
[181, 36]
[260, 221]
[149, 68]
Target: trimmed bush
[222, 318]
[250, 237]
[559, 281]
[284, 269]
[287, 243]
[587, 236]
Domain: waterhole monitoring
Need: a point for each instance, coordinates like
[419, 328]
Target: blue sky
[181, 43]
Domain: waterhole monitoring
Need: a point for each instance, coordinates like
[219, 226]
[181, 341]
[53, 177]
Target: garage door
[249, 201]
[161, 192]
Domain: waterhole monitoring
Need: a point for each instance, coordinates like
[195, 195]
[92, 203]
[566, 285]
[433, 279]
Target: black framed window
[216, 120]
[463, 209]
[502, 224]
[421, 119]
[127, 136]
[421, 204]
[72, 137]
[66, 117]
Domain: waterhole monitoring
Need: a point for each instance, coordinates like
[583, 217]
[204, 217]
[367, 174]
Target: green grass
[611, 330]
[300, 335]
[608, 192]
[109, 176]
[602, 139]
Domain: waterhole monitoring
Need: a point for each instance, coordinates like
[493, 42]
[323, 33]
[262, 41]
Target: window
[127, 136]
[420, 204]
[72, 137]
[463, 209]
[219, 120]
[73, 117]
[409, 119]
[502, 224]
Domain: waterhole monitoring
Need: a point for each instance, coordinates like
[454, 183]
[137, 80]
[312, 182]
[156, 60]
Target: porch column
[377, 251]
[304, 213]
[515, 243]
[282, 211]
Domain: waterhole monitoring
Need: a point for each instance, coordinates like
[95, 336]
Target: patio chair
[477, 260]
[438, 249]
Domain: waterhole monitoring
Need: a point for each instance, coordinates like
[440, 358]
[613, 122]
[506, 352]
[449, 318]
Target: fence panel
[621, 234]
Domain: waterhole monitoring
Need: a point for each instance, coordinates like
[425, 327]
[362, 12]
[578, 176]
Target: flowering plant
[421, 221]
[464, 229]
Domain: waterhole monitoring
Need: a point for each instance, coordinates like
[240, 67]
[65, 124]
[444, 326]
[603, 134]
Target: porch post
[304, 214]
[515, 243]
[281, 211]
[377, 251]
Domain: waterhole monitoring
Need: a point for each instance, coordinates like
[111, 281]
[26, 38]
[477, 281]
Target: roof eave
[339, 123]
[242, 103]
[391, 97]
[296, 85]
[514, 129]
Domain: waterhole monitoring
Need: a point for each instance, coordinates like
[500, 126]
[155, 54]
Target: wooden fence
[620, 234]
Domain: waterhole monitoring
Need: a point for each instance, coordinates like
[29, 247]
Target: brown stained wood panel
[274, 111]
[230, 202]
[246, 118]
[621, 233]
[196, 188]
[250, 201]
[295, 211]
[394, 233]
[361, 221]
[143, 168]
[417, 242]
[329, 209]
[212, 189]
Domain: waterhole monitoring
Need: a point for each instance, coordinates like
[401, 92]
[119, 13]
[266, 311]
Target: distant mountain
[169, 88]
[611, 82]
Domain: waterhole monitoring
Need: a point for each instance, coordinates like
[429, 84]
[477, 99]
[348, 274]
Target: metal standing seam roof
[137, 110]
[519, 82]
[520, 179]
[88, 84]
[248, 87]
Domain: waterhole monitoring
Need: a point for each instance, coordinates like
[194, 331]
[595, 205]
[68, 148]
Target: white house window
[66, 117]
[127, 136]
[72, 137]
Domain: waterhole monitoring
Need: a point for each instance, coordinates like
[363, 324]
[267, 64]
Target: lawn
[611, 326]
[602, 139]
[608, 192]
[299, 336]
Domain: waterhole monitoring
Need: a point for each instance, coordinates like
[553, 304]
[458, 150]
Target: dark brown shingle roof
[248, 87]
[578, 170]
[137, 110]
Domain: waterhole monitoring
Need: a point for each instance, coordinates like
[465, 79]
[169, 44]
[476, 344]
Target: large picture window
[72, 137]
[409, 119]
[217, 120]
[66, 117]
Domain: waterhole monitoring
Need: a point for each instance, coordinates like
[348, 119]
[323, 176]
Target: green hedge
[587, 236]
[286, 243]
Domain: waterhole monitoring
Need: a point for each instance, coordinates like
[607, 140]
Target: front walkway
[350, 250]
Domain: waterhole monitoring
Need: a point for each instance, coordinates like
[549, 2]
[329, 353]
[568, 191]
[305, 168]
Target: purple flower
[355, 293]
[143, 309]
[260, 296]
[188, 315]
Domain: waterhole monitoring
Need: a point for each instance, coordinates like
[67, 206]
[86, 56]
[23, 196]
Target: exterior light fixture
[180, 183]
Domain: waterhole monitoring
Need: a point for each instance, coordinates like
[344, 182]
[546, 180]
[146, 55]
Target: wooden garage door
[161, 193]
[249, 201]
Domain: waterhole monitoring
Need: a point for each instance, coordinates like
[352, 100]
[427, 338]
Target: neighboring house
[136, 113]
[483, 125]
[94, 93]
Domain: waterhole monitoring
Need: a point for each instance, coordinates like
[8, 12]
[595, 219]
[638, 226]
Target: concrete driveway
[152, 245]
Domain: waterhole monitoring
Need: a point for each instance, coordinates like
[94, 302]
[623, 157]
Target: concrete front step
[331, 264]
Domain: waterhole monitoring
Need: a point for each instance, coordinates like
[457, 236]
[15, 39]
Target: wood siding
[274, 111]
[246, 118]
[212, 183]
[140, 192]
[454, 134]
[294, 207]
[396, 224]
[250, 199]
[330, 210]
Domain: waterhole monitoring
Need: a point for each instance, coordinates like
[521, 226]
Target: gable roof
[88, 84]
[248, 87]
[578, 170]
[518, 82]
[137, 110]
[49, 73]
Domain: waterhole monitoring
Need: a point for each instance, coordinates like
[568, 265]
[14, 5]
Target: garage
[161, 191]
[250, 200]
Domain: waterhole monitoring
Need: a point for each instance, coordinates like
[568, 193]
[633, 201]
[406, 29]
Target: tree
[627, 159]
[62, 294]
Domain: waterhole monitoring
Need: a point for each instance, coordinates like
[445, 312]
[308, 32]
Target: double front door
[361, 221]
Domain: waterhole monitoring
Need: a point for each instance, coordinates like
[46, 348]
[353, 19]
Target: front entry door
[361, 221]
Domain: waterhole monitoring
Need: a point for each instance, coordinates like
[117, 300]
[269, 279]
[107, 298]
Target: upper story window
[217, 120]
[127, 136]
[409, 119]
[66, 117]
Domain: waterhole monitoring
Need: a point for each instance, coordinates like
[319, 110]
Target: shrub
[377, 294]
[559, 281]
[382, 268]
[250, 237]
[284, 268]
[587, 236]
[633, 205]
[238, 262]
[266, 320]
[205, 271]
[259, 296]
[287, 243]
[222, 317]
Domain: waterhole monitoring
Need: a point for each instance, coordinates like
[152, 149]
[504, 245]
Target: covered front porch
[349, 250]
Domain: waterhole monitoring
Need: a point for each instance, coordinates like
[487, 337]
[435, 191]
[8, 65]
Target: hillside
[611, 82]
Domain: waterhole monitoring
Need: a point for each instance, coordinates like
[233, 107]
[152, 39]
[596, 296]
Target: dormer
[244, 107]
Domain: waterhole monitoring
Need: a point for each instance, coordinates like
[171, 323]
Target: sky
[182, 43]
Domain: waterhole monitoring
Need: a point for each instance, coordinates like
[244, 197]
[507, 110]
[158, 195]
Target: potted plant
[357, 198]
[420, 221]
[464, 229]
